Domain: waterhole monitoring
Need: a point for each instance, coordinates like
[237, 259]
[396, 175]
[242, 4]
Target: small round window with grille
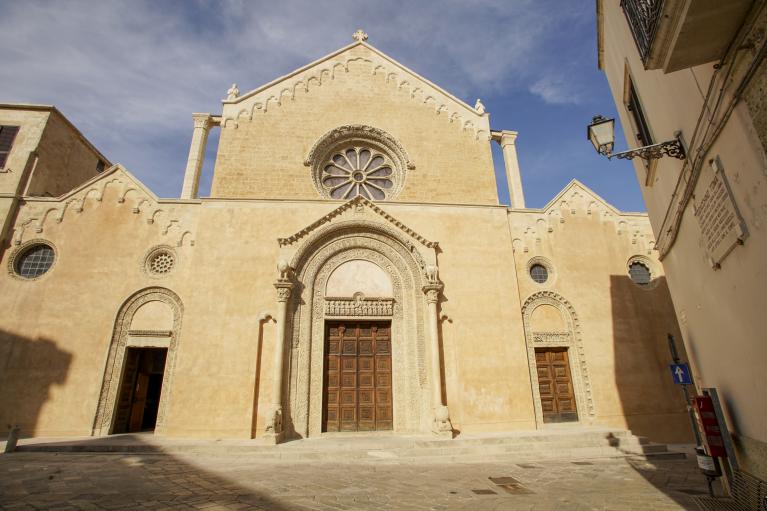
[160, 261]
[640, 273]
[539, 273]
[34, 260]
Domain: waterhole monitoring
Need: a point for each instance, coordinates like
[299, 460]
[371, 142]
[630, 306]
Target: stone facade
[237, 287]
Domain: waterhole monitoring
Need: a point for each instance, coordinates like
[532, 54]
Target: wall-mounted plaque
[720, 222]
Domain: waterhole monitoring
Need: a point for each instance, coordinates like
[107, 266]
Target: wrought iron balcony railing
[643, 17]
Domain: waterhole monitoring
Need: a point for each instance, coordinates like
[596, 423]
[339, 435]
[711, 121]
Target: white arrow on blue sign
[681, 374]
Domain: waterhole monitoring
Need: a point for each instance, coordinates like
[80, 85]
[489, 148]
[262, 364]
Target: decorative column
[274, 431]
[513, 178]
[202, 123]
[441, 425]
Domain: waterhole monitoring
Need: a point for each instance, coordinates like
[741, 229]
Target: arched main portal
[414, 289]
[146, 333]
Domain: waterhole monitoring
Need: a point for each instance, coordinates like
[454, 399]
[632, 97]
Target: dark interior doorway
[139, 398]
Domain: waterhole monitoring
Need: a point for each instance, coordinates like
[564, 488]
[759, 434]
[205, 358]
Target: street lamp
[601, 132]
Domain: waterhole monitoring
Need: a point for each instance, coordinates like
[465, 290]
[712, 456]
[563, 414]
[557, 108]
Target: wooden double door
[357, 390]
[139, 398]
[555, 385]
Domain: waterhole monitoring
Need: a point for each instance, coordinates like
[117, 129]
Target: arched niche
[550, 321]
[159, 309]
[359, 276]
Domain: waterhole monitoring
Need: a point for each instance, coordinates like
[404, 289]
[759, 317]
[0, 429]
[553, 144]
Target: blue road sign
[681, 374]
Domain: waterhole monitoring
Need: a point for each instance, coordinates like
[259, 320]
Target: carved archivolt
[104, 420]
[315, 262]
[570, 339]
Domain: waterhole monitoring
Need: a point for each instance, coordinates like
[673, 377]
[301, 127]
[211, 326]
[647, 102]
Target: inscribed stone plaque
[721, 225]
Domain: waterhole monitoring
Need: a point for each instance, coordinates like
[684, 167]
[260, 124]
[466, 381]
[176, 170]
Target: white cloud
[555, 90]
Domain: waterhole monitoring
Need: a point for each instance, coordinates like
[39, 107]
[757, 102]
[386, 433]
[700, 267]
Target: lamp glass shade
[602, 134]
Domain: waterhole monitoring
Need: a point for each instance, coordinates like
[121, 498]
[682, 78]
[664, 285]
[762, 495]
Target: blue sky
[129, 74]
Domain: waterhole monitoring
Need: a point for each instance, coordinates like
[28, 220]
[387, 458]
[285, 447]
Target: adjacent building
[696, 69]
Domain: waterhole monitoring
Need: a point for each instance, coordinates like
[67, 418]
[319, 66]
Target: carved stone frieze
[104, 418]
[570, 339]
[359, 306]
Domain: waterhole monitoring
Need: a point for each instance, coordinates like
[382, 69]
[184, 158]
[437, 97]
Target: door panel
[357, 383]
[555, 385]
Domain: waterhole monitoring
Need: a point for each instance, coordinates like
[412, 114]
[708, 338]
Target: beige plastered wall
[720, 310]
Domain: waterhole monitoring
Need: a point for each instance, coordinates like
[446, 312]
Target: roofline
[338, 52]
[52, 109]
[600, 35]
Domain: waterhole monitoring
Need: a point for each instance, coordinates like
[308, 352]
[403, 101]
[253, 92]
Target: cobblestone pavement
[216, 482]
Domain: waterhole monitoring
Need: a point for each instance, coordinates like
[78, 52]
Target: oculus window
[34, 261]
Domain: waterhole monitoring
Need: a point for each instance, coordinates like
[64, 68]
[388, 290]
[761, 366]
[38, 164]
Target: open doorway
[140, 390]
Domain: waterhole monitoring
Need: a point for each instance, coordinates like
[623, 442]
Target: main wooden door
[139, 397]
[556, 386]
[358, 381]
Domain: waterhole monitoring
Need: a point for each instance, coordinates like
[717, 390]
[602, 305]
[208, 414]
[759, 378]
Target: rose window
[358, 171]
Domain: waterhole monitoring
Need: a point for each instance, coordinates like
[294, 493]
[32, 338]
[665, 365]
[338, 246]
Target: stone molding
[359, 203]
[103, 422]
[318, 258]
[358, 135]
[571, 340]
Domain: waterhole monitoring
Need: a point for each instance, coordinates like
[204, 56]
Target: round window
[358, 171]
[34, 261]
[640, 273]
[160, 261]
[539, 273]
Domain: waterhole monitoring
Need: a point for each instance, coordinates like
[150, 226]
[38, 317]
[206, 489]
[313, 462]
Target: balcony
[677, 34]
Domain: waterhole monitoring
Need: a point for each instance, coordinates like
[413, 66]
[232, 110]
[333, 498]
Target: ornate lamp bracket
[673, 148]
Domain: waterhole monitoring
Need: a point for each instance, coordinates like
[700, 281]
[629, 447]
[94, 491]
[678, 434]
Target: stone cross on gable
[360, 35]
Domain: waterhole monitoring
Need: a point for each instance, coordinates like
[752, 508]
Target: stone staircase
[547, 444]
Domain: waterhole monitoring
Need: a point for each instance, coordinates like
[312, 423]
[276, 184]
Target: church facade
[352, 270]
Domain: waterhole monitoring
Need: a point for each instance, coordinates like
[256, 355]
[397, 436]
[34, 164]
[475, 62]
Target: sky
[129, 74]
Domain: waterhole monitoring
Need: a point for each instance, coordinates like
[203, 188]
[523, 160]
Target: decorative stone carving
[103, 421]
[323, 252]
[359, 135]
[571, 339]
[479, 107]
[359, 305]
[360, 35]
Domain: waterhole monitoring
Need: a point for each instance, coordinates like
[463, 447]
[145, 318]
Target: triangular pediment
[577, 190]
[323, 71]
[347, 211]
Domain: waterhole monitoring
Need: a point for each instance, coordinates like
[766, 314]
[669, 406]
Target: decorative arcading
[571, 339]
[104, 418]
[268, 99]
[356, 201]
[36, 215]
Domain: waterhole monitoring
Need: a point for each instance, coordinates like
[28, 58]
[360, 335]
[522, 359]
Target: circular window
[358, 171]
[33, 260]
[160, 261]
[539, 273]
[640, 273]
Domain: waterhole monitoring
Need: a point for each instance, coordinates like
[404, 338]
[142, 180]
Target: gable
[268, 134]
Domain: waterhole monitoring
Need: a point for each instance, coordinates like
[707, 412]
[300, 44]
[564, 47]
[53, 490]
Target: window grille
[7, 135]
[35, 261]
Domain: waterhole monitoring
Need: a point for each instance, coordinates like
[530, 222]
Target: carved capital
[283, 290]
[202, 121]
[432, 291]
[508, 138]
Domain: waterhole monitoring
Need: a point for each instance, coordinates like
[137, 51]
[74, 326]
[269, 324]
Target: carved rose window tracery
[358, 171]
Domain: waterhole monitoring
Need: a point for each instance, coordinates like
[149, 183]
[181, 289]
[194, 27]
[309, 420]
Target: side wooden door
[555, 385]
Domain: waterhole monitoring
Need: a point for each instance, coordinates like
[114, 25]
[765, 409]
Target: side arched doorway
[140, 363]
